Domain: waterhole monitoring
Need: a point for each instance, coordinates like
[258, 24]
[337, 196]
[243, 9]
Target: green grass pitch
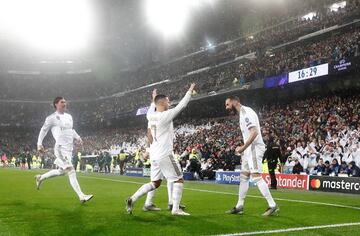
[55, 209]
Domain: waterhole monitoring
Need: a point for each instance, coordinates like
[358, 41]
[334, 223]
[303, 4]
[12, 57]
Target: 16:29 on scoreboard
[308, 73]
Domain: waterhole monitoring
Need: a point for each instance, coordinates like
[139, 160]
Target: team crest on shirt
[247, 120]
[58, 117]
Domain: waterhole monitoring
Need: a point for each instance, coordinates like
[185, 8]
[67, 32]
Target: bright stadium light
[169, 17]
[47, 25]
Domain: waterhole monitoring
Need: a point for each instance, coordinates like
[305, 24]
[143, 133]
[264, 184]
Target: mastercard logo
[315, 183]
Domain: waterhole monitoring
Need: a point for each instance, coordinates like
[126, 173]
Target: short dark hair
[56, 100]
[159, 97]
[234, 98]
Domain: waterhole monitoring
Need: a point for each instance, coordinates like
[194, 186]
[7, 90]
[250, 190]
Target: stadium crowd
[271, 30]
[334, 48]
[316, 135]
[77, 86]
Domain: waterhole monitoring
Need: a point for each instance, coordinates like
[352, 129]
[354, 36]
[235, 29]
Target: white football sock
[264, 189]
[144, 189]
[243, 189]
[149, 198]
[177, 194]
[75, 184]
[51, 173]
[170, 187]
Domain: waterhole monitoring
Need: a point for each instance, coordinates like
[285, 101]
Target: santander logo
[288, 181]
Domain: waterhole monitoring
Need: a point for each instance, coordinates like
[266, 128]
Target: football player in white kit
[161, 151]
[149, 205]
[252, 154]
[61, 126]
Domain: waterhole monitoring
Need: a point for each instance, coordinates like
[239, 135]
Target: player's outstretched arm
[172, 113]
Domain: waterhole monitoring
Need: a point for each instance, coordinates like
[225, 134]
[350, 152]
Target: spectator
[354, 169]
[334, 168]
[320, 168]
[344, 169]
[326, 169]
[297, 169]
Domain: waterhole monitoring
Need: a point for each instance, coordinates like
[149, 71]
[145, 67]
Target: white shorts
[63, 156]
[251, 161]
[167, 168]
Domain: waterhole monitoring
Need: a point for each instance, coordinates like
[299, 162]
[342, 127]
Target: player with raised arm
[61, 126]
[162, 160]
[253, 152]
[149, 205]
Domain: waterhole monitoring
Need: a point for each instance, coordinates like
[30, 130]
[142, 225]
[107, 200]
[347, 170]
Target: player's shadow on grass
[151, 217]
[159, 220]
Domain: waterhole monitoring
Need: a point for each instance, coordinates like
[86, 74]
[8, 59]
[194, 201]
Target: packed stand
[317, 135]
[276, 30]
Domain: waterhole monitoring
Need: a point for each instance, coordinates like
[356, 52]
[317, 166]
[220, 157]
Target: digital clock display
[308, 73]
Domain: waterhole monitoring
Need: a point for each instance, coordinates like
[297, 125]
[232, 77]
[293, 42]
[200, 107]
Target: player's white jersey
[61, 126]
[162, 128]
[248, 118]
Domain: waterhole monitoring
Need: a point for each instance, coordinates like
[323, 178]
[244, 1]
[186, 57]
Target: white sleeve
[151, 110]
[44, 130]
[250, 120]
[169, 115]
[76, 136]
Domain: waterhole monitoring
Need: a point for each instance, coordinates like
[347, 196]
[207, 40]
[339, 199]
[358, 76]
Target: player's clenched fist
[192, 86]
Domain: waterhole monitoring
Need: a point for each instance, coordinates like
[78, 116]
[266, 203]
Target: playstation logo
[218, 177]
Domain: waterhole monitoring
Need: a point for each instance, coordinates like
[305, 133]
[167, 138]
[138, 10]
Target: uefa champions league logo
[343, 65]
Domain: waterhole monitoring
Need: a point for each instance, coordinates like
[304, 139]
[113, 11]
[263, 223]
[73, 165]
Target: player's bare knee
[245, 173]
[255, 175]
[179, 181]
[70, 170]
[157, 183]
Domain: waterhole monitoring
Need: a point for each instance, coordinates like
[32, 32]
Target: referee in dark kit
[272, 155]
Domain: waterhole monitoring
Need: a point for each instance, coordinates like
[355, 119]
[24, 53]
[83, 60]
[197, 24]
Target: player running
[253, 151]
[163, 163]
[61, 126]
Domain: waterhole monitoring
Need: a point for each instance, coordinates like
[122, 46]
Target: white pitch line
[291, 229]
[280, 199]
[227, 193]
